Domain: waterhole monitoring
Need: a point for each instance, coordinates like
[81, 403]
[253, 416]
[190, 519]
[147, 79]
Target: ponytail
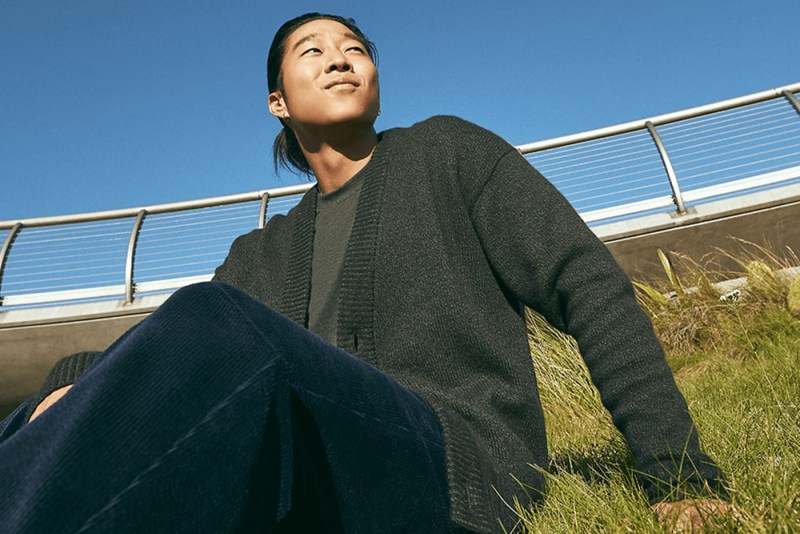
[287, 153]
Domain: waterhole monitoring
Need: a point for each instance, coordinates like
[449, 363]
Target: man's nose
[338, 62]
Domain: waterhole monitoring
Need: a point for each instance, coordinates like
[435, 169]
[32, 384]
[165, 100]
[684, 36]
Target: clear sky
[110, 104]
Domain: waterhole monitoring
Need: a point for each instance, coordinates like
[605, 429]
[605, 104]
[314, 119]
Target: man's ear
[277, 105]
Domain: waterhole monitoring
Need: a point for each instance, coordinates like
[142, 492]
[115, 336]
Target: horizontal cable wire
[611, 179]
[28, 242]
[100, 282]
[170, 238]
[175, 257]
[30, 276]
[47, 268]
[691, 132]
[787, 127]
[745, 174]
[224, 240]
[193, 224]
[103, 250]
[565, 151]
[719, 142]
[588, 152]
[283, 202]
[647, 179]
[206, 262]
[593, 197]
[42, 289]
[747, 138]
[741, 166]
[782, 142]
[198, 218]
[688, 178]
[581, 179]
[725, 116]
[49, 234]
[593, 162]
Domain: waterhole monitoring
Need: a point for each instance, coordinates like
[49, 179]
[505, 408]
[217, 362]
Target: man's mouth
[342, 81]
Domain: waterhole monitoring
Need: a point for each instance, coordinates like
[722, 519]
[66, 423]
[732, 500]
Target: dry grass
[737, 361]
[693, 313]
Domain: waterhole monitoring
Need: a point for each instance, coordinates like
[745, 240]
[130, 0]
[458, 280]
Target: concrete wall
[774, 228]
[31, 341]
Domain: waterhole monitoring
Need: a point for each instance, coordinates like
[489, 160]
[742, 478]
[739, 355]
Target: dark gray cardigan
[454, 232]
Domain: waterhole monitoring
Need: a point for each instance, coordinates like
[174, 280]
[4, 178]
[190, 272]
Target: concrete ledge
[68, 313]
[745, 204]
[767, 219]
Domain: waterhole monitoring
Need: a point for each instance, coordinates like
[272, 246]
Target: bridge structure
[685, 181]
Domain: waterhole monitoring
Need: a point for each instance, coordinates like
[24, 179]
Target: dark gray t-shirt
[336, 212]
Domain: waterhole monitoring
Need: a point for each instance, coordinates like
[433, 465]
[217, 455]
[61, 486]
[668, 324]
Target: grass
[736, 360]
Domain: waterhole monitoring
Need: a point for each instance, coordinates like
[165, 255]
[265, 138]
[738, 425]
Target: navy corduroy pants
[217, 414]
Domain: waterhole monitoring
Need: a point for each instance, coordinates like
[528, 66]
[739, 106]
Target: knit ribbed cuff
[708, 484]
[65, 372]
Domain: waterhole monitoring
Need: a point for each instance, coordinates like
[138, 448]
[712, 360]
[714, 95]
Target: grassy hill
[736, 357]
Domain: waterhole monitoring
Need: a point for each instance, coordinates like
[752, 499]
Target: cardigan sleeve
[257, 261]
[545, 254]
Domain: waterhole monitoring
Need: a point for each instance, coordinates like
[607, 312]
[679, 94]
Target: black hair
[286, 149]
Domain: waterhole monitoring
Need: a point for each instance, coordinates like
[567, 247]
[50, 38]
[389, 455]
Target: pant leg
[217, 414]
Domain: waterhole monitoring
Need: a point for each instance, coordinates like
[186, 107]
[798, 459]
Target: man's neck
[334, 162]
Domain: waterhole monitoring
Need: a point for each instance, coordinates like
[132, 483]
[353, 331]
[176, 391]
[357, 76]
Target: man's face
[328, 78]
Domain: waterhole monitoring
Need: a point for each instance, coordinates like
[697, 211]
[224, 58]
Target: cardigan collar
[355, 332]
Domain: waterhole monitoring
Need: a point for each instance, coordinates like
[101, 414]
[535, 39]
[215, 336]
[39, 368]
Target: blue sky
[112, 104]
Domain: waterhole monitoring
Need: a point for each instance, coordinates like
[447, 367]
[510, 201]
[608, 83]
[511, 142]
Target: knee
[224, 326]
[213, 297]
[214, 317]
[196, 293]
[206, 301]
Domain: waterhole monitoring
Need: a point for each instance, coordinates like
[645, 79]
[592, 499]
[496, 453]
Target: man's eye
[311, 51]
[355, 49]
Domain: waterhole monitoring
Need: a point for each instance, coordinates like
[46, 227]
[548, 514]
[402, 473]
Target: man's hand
[693, 515]
[48, 401]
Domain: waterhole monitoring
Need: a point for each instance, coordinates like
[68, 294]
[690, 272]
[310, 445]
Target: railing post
[262, 212]
[673, 180]
[134, 239]
[12, 235]
[792, 100]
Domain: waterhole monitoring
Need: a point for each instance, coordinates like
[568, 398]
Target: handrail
[158, 208]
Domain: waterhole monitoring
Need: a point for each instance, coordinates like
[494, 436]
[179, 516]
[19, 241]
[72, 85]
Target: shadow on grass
[596, 464]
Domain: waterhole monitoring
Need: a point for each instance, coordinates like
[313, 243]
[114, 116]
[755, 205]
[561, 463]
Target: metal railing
[660, 164]
[99, 255]
[666, 162]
